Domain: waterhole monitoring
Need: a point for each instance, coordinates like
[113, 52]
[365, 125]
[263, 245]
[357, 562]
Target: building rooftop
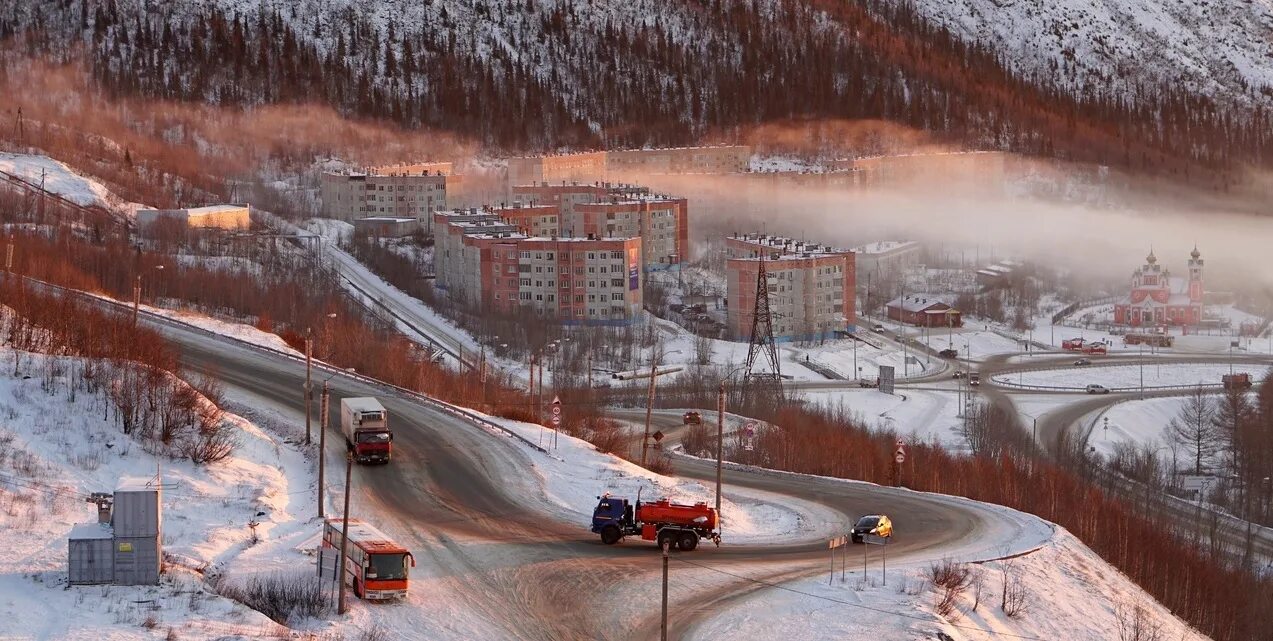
[916, 302]
[796, 248]
[91, 531]
[214, 209]
[885, 246]
[386, 219]
[137, 484]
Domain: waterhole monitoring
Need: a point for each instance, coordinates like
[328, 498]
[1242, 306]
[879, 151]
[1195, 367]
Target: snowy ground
[1141, 422]
[63, 181]
[1069, 593]
[57, 448]
[575, 474]
[920, 414]
[1124, 376]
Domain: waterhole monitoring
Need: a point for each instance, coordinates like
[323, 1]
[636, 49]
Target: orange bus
[376, 567]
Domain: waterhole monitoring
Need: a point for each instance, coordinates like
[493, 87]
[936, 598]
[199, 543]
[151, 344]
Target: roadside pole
[884, 551]
[720, 441]
[322, 449]
[309, 395]
[649, 409]
[663, 626]
[343, 606]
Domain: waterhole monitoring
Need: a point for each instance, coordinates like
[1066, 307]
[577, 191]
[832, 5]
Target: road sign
[901, 445]
[899, 457]
[886, 379]
[838, 542]
[556, 410]
[874, 539]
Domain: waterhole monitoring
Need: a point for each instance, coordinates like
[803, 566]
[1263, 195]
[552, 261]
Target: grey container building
[91, 554]
[137, 521]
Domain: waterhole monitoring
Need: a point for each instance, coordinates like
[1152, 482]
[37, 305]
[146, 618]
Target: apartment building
[619, 210]
[400, 191]
[569, 167]
[532, 220]
[661, 222]
[810, 287]
[600, 165]
[725, 159]
[880, 261]
[482, 259]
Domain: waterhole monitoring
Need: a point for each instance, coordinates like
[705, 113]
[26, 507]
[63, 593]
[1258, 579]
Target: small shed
[90, 550]
[136, 518]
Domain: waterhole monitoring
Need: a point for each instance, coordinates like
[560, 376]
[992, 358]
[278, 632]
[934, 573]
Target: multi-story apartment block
[570, 167]
[619, 210]
[402, 191]
[532, 220]
[810, 287]
[481, 259]
[661, 222]
[600, 165]
[885, 259]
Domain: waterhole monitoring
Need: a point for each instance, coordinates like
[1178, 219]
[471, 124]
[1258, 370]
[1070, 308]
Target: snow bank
[58, 448]
[1070, 593]
[1124, 376]
[60, 179]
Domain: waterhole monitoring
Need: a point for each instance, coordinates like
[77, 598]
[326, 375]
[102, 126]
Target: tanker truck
[680, 526]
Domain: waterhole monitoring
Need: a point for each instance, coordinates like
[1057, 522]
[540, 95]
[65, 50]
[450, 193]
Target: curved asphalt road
[448, 486]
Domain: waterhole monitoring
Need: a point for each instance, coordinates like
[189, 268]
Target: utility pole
[530, 393]
[8, 255]
[720, 441]
[667, 542]
[136, 298]
[322, 449]
[309, 394]
[342, 606]
[649, 410]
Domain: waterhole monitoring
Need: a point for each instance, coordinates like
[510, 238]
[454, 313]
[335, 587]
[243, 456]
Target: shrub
[281, 597]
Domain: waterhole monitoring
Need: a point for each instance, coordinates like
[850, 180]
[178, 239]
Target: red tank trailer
[677, 525]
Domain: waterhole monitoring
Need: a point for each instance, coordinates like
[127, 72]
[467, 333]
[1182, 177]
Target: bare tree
[1135, 624]
[1194, 427]
[1015, 598]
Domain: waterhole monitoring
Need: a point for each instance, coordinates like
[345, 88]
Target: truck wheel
[610, 535]
[668, 539]
[688, 542]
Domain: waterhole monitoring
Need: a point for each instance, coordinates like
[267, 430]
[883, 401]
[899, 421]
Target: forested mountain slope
[550, 74]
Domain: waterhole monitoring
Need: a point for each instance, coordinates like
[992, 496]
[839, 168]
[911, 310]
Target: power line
[903, 615]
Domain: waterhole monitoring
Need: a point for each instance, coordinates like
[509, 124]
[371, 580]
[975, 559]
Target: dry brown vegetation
[169, 153]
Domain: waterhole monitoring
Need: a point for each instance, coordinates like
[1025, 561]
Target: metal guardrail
[455, 410]
[1136, 388]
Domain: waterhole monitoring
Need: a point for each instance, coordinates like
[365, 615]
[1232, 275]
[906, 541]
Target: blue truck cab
[612, 518]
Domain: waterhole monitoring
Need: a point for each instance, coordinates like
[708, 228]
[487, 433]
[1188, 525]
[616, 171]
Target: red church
[1158, 299]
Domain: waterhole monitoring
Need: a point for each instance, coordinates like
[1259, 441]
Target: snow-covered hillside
[1222, 49]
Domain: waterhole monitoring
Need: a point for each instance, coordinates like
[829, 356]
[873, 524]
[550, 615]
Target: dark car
[1082, 361]
[871, 524]
[949, 353]
[693, 418]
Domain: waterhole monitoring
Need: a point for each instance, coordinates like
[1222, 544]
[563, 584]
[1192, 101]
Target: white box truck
[366, 427]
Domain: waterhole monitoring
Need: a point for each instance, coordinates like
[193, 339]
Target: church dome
[1195, 253]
